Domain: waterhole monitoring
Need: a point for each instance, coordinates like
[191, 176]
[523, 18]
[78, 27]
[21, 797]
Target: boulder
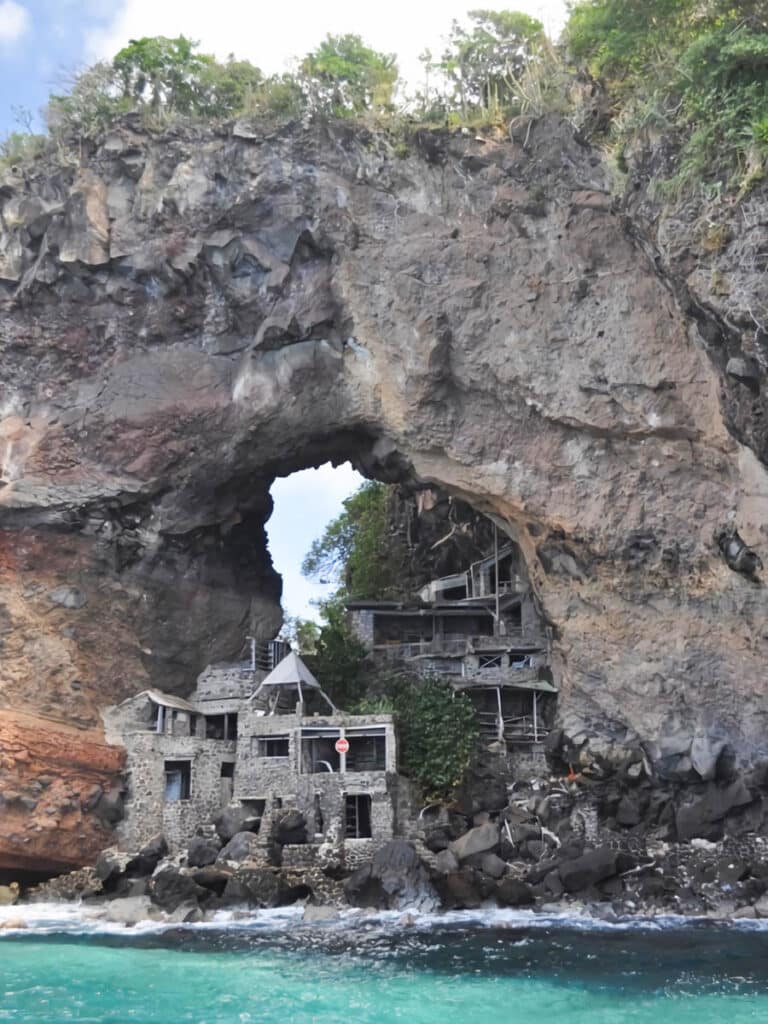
[202, 851]
[445, 862]
[461, 890]
[704, 754]
[628, 811]
[761, 906]
[589, 869]
[212, 877]
[492, 865]
[9, 894]
[240, 847]
[703, 815]
[478, 840]
[130, 910]
[395, 879]
[169, 887]
[437, 839]
[234, 819]
[186, 913]
[110, 866]
[513, 892]
[258, 887]
[148, 857]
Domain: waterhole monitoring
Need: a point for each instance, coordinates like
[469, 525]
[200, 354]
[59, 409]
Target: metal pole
[500, 723]
[535, 719]
[496, 560]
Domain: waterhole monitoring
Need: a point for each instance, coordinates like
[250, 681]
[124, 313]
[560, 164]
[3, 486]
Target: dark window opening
[221, 727]
[318, 751]
[271, 746]
[178, 780]
[367, 753]
[489, 661]
[358, 816]
[227, 769]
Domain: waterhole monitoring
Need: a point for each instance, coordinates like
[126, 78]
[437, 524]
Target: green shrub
[438, 731]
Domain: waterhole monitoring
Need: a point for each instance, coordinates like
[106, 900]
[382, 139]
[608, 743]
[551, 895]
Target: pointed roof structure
[292, 674]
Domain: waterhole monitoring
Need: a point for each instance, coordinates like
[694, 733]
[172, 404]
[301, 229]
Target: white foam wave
[39, 919]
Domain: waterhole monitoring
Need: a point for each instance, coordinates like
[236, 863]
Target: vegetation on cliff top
[691, 72]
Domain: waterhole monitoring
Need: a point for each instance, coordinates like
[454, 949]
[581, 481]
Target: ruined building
[269, 741]
[481, 630]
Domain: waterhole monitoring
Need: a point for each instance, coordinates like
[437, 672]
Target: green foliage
[302, 634]
[484, 63]
[169, 74]
[344, 77]
[339, 658]
[700, 70]
[19, 147]
[91, 104]
[354, 550]
[438, 730]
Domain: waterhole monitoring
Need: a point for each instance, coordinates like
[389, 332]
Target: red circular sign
[342, 745]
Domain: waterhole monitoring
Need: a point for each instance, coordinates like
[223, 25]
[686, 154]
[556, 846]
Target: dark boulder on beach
[170, 887]
[394, 879]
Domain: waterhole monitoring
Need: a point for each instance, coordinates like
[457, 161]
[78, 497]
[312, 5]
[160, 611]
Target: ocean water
[456, 970]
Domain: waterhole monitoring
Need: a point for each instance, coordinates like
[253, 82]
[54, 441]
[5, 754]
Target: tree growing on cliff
[345, 77]
[485, 62]
[355, 550]
[171, 74]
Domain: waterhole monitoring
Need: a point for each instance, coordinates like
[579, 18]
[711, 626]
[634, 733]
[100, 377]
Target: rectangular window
[367, 753]
[270, 746]
[221, 727]
[358, 816]
[489, 661]
[227, 769]
[178, 780]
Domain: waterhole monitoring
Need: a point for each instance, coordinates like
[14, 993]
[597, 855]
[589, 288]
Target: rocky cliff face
[185, 317]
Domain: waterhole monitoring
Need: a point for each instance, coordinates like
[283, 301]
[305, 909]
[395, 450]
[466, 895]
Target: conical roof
[291, 671]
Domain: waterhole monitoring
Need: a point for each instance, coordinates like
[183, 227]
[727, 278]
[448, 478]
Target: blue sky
[41, 42]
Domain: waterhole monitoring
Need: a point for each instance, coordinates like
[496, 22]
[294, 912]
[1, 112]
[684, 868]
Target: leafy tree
[355, 549]
[438, 731]
[170, 74]
[485, 62]
[345, 77]
[339, 658]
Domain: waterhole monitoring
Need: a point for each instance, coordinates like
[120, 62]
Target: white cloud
[272, 39]
[14, 21]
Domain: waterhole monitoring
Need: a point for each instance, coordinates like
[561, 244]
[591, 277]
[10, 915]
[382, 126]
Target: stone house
[481, 630]
[266, 741]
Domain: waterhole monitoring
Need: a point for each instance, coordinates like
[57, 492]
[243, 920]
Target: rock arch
[184, 317]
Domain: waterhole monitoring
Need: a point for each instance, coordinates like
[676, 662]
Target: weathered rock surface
[394, 880]
[184, 317]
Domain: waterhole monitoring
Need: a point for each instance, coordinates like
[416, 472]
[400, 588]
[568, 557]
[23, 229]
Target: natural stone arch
[186, 316]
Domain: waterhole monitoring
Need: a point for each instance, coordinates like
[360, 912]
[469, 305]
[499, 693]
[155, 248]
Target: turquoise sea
[457, 971]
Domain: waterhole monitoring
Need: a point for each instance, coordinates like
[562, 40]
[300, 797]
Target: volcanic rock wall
[186, 316]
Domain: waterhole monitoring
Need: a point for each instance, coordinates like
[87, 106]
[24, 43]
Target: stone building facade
[187, 760]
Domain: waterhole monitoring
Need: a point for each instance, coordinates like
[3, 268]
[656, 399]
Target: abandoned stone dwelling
[266, 740]
[480, 629]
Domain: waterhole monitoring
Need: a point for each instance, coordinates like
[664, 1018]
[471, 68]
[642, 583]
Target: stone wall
[266, 778]
[147, 810]
[220, 682]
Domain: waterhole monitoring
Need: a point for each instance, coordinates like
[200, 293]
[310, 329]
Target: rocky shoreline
[549, 849]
